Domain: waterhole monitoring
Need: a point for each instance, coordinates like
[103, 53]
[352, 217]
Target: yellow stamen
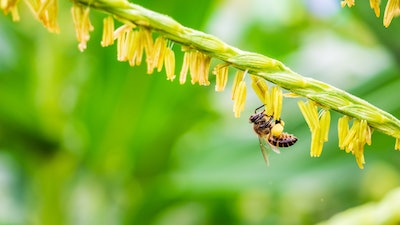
[397, 145]
[14, 14]
[170, 64]
[319, 127]
[351, 136]
[193, 67]
[204, 68]
[277, 102]
[122, 29]
[108, 29]
[10, 6]
[349, 3]
[122, 45]
[80, 16]
[320, 134]
[199, 67]
[392, 10]
[375, 6]
[46, 12]
[132, 44]
[358, 135]
[362, 133]
[221, 73]
[148, 46]
[140, 42]
[343, 130]
[185, 67]
[269, 106]
[158, 55]
[260, 87]
[240, 99]
[359, 154]
[310, 114]
[238, 78]
[368, 135]
[324, 124]
[316, 144]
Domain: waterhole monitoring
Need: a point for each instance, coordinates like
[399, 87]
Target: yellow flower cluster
[392, 9]
[272, 98]
[10, 6]
[135, 42]
[198, 64]
[353, 139]
[46, 12]
[318, 124]
[80, 16]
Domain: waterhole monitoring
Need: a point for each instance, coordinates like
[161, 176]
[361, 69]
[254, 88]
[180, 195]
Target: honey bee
[270, 133]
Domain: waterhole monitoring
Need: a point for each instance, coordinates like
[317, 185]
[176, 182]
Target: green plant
[135, 40]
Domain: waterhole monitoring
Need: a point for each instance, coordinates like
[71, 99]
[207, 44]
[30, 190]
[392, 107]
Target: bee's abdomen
[283, 140]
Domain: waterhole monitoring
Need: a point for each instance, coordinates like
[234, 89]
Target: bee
[270, 133]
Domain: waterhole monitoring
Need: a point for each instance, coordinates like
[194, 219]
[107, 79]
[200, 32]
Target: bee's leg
[255, 111]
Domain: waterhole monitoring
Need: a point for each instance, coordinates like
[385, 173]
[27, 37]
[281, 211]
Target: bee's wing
[264, 150]
[274, 148]
[265, 146]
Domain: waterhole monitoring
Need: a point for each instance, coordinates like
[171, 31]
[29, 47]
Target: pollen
[108, 29]
[80, 16]
[221, 74]
[277, 129]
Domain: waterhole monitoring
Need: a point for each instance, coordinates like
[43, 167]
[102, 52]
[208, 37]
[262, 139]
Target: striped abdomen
[283, 140]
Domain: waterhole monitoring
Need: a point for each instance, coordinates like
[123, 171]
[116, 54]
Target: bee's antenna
[255, 111]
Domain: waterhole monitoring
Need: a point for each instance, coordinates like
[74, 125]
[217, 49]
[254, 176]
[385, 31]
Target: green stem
[325, 95]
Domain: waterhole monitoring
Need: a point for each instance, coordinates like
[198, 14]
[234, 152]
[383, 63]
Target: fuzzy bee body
[263, 126]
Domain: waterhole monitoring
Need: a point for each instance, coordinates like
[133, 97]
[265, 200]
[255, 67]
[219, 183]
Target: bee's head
[252, 118]
[255, 118]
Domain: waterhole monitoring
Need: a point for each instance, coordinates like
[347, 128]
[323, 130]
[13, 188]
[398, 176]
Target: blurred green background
[85, 139]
